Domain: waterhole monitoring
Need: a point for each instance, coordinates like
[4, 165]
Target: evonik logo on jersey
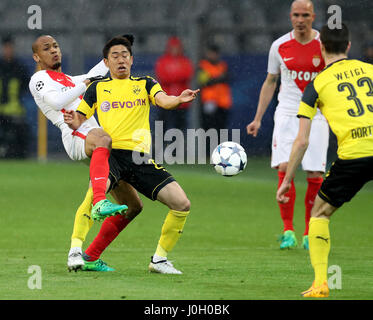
[107, 105]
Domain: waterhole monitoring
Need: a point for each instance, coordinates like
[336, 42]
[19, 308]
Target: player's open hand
[188, 95]
[281, 192]
[253, 128]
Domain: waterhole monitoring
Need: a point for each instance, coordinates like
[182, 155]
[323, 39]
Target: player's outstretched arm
[297, 152]
[172, 102]
[266, 94]
[99, 69]
[73, 119]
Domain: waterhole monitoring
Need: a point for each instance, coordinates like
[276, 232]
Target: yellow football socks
[171, 231]
[319, 242]
[83, 221]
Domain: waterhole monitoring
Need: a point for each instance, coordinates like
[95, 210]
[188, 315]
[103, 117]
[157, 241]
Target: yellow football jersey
[122, 107]
[343, 92]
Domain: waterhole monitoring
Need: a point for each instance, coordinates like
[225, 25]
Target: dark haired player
[343, 92]
[55, 92]
[122, 103]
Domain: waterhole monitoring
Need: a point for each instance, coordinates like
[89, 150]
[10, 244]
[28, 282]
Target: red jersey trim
[78, 134]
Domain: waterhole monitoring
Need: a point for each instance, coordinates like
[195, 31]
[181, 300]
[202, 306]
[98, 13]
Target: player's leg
[75, 148]
[344, 179]
[288, 239]
[174, 197]
[98, 146]
[319, 247]
[314, 181]
[284, 132]
[82, 225]
[314, 163]
[112, 226]
[287, 209]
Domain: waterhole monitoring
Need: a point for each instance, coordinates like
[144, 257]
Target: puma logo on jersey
[107, 91]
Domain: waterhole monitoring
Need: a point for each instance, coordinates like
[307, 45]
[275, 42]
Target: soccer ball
[229, 158]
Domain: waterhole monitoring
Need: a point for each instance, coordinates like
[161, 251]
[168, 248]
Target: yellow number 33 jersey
[343, 92]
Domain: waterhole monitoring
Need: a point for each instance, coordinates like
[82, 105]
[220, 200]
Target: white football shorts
[284, 133]
[74, 141]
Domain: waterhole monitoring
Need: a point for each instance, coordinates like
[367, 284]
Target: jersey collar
[317, 36]
[335, 62]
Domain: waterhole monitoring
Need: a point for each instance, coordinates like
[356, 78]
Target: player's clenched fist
[253, 128]
[71, 119]
[281, 192]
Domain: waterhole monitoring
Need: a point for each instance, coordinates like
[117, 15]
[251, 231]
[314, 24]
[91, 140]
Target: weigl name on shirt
[349, 74]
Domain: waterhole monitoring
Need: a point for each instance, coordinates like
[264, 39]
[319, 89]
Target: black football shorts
[147, 177]
[344, 179]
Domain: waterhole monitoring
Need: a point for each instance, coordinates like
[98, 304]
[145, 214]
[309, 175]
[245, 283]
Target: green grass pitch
[228, 250]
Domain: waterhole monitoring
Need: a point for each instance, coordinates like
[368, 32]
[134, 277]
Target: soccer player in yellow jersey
[122, 103]
[343, 92]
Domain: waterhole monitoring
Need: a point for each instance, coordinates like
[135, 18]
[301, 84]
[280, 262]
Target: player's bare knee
[282, 167]
[104, 141]
[321, 212]
[314, 174]
[97, 138]
[134, 209]
[183, 205]
[316, 214]
[137, 208]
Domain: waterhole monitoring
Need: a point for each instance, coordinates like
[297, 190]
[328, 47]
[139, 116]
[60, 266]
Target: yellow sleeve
[88, 104]
[85, 109]
[306, 111]
[152, 87]
[308, 105]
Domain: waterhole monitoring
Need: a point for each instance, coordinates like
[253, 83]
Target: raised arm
[59, 100]
[99, 69]
[85, 110]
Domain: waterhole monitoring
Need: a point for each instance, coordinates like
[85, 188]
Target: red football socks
[314, 185]
[110, 229]
[287, 209]
[99, 173]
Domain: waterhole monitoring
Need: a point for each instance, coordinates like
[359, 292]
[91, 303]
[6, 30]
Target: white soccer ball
[229, 158]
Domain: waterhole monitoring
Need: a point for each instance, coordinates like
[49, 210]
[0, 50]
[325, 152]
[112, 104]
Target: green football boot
[288, 240]
[305, 243]
[105, 208]
[97, 265]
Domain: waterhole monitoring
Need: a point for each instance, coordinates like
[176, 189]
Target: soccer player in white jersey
[296, 58]
[55, 92]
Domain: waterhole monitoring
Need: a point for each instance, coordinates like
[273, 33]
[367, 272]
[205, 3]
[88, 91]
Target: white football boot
[75, 259]
[163, 266]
